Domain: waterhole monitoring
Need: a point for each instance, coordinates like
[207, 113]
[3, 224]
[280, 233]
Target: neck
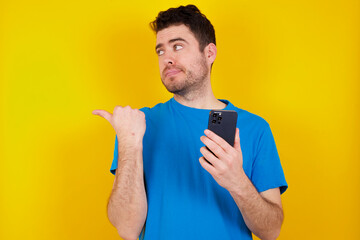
[205, 100]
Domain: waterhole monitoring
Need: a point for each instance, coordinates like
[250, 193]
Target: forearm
[127, 206]
[263, 218]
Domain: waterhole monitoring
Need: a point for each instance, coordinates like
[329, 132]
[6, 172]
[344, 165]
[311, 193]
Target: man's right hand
[129, 124]
[127, 206]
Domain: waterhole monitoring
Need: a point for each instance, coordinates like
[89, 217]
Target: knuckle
[208, 155]
[222, 170]
[117, 108]
[230, 163]
[227, 147]
[217, 150]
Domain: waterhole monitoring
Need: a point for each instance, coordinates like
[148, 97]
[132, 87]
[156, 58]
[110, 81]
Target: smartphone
[223, 123]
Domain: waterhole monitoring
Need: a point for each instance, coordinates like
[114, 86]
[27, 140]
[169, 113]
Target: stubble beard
[193, 83]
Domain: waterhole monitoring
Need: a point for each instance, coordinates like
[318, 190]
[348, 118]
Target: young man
[164, 188]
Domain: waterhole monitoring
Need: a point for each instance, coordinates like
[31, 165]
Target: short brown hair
[191, 17]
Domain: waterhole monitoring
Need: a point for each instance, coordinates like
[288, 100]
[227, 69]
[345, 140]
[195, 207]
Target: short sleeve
[115, 159]
[114, 164]
[267, 171]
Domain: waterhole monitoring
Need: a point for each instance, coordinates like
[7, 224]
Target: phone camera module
[213, 121]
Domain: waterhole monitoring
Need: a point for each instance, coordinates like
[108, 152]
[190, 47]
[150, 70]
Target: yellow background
[295, 63]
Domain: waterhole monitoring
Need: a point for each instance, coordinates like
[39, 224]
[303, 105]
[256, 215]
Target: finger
[102, 113]
[210, 157]
[237, 140]
[213, 147]
[218, 140]
[207, 166]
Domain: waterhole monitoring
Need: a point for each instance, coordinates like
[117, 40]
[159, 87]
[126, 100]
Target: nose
[169, 62]
[169, 59]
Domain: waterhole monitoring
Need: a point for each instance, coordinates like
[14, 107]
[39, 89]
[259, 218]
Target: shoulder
[249, 119]
[158, 109]
[252, 117]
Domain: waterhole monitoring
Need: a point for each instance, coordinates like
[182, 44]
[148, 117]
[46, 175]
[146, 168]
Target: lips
[171, 72]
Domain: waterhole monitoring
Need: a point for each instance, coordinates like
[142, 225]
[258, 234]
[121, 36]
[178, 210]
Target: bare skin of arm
[127, 205]
[262, 212]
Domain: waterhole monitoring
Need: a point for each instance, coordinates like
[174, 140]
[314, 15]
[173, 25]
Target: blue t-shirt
[184, 201]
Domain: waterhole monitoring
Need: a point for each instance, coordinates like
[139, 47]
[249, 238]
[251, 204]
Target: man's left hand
[226, 166]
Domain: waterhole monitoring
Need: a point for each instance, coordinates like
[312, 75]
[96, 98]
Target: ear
[210, 52]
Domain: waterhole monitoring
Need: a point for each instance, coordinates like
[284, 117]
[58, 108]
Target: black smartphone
[223, 123]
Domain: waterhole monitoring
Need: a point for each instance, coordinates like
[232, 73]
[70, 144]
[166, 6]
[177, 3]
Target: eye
[178, 47]
[159, 52]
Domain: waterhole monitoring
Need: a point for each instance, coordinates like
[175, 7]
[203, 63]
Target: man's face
[183, 68]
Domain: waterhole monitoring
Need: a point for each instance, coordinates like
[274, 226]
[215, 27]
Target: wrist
[130, 141]
[242, 187]
[130, 150]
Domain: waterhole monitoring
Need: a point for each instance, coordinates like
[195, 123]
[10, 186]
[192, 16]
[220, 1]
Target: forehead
[173, 32]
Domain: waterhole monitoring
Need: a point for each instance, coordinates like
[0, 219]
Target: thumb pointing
[102, 113]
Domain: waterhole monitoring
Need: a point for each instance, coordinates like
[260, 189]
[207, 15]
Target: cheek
[161, 67]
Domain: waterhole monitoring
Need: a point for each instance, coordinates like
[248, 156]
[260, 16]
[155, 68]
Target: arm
[262, 212]
[127, 205]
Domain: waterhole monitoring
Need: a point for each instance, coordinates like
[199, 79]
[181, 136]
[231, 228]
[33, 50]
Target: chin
[174, 85]
[173, 88]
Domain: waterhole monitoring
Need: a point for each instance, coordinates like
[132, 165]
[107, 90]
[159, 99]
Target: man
[164, 188]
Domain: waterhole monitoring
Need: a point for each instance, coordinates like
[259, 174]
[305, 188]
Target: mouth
[171, 72]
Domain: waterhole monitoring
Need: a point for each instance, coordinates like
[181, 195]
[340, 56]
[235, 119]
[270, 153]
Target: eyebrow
[170, 41]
